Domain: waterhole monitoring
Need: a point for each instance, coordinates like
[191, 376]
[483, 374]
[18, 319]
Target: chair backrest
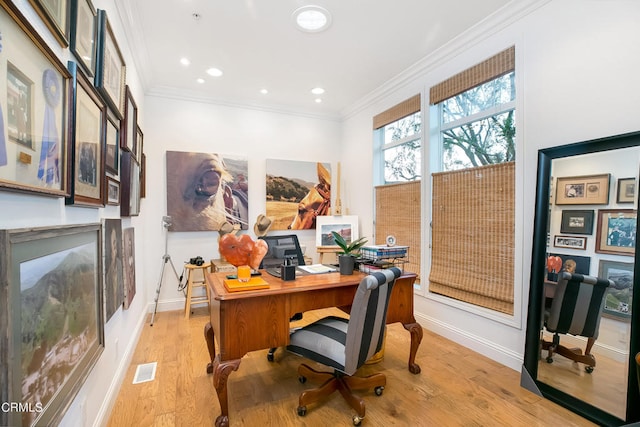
[577, 305]
[280, 247]
[368, 317]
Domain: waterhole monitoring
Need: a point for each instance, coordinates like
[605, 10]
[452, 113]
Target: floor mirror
[586, 205]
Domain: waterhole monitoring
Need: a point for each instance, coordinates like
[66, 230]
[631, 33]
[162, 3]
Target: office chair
[346, 344]
[280, 247]
[576, 309]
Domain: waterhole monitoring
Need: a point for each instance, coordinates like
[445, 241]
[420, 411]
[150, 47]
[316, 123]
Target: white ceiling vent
[145, 372]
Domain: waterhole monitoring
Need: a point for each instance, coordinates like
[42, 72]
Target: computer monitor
[281, 247]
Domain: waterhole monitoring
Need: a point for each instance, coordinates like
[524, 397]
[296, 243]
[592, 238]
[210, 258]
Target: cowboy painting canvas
[297, 193]
[206, 190]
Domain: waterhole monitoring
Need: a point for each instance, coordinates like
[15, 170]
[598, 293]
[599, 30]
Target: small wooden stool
[192, 283]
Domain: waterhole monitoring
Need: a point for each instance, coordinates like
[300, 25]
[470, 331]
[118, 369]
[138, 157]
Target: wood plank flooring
[457, 387]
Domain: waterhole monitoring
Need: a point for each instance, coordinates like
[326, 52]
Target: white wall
[182, 125]
[576, 78]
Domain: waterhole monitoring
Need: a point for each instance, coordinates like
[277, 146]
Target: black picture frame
[129, 124]
[82, 34]
[626, 192]
[55, 272]
[577, 222]
[570, 242]
[129, 185]
[110, 74]
[112, 143]
[88, 141]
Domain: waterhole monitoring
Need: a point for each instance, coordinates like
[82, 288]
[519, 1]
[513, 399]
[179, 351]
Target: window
[398, 147]
[473, 185]
[477, 126]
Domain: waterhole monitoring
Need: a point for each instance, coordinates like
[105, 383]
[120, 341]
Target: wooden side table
[192, 282]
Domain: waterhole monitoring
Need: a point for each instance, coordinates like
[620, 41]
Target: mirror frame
[534, 317]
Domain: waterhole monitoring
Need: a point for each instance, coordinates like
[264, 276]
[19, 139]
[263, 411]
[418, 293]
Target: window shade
[398, 213]
[397, 112]
[492, 68]
[473, 232]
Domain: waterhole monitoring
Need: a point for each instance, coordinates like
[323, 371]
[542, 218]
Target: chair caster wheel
[302, 411]
[588, 369]
[549, 360]
[378, 390]
[302, 379]
[357, 420]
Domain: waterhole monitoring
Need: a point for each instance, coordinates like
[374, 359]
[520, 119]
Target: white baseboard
[167, 305]
[111, 395]
[478, 344]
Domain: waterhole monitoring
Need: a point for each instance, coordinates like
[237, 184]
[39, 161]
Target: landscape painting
[297, 193]
[55, 308]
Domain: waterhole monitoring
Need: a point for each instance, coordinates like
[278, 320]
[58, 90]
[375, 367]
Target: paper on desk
[317, 268]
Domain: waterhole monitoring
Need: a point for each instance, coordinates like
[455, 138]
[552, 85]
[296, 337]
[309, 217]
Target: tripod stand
[166, 258]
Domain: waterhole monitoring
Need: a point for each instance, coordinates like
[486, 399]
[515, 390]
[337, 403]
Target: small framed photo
[113, 191]
[83, 33]
[626, 190]
[583, 190]
[570, 242]
[19, 107]
[618, 298]
[110, 65]
[577, 222]
[616, 233]
[55, 14]
[112, 153]
[129, 125]
[345, 225]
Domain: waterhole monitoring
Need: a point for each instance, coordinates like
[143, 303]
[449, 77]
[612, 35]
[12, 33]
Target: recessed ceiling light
[264, 91]
[318, 100]
[185, 61]
[311, 18]
[215, 72]
[200, 80]
[317, 91]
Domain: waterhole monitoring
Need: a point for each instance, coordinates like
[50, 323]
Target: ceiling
[257, 46]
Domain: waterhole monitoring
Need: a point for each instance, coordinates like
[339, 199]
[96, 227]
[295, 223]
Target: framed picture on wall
[129, 125]
[570, 242]
[583, 190]
[113, 191]
[626, 190]
[36, 86]
[616, 232]
[55, 14]
[88, 143]
[617, 300]
[110, 65]
[112, 152]
[83, 33]
[52, 296]
[577, 222]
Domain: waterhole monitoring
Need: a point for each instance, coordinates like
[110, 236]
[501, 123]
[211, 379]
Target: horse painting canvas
[297, 193]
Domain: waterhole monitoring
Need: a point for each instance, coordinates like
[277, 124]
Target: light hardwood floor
[457, 387]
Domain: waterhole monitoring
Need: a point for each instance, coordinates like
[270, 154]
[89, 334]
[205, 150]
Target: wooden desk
[253, 320]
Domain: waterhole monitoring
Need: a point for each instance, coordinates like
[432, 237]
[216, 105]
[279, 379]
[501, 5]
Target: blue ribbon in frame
[3, 144]
[48, 168]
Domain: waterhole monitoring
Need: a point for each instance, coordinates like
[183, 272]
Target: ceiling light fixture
[317, 91]
[318, 100]
[214, 72]
[312, 19]
[185, 61]
[200, 80]
[264, 91]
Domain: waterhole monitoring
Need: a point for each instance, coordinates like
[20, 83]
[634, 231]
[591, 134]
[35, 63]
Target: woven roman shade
[492, 68]
[473, 228]
[398, 213]
[405, 108]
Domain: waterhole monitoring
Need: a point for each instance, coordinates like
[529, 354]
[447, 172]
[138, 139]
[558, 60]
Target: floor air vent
[145, 372]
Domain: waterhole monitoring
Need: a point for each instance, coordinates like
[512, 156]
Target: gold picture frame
[616, 232]
[583, 190]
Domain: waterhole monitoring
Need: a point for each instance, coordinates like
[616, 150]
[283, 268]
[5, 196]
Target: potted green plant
[347, 257]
